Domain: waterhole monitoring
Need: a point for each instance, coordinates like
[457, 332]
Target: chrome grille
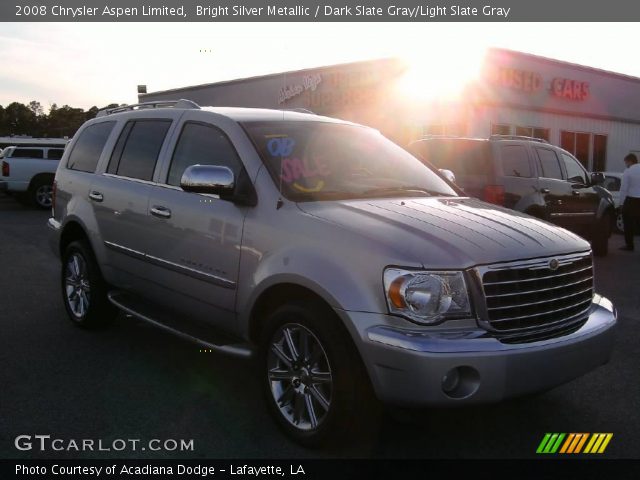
[529, 295]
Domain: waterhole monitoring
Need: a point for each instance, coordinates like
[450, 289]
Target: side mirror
[597, 178]
[448, 174]
[208, 179]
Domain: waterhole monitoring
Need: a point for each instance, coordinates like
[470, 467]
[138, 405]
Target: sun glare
[440, 75]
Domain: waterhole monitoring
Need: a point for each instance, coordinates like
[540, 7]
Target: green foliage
[19, 119]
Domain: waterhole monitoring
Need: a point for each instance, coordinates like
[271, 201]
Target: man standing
[630, 199]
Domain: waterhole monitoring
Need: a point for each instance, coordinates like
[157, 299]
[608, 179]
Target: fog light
[450, 381]
[461, 382]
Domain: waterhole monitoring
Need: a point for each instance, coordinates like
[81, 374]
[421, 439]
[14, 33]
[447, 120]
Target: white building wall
[622, 137]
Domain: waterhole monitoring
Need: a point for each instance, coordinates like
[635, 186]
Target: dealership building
[592, 113]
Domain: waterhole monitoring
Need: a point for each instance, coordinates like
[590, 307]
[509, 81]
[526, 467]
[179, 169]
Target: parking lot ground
[132, 381]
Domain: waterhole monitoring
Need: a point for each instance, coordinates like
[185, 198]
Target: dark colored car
[529, 175]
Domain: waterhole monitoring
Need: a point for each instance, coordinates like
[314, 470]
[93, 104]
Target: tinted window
[28, 153]
[137, 149]
[515, 161]
[549, 163]
[462, 157]
[55, 153]
[202, 145]
[88, 148]
[574, 172]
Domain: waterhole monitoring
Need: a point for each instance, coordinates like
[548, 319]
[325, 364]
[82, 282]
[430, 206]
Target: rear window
[462, 157]
[55, 153]
[88, 148]
[28, 153]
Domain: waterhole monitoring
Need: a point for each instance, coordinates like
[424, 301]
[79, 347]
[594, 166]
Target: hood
[448, 232]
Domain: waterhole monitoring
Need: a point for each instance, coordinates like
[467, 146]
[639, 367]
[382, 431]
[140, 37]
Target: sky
[86, 64]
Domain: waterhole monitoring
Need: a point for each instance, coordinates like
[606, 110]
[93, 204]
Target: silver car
[333, 256]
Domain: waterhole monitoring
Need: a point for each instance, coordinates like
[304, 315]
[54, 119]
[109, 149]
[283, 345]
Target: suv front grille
[530, 295]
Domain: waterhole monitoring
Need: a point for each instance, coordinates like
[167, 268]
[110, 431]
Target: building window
[534, 132]
[589, 148]
[499, 129]
[599, 153]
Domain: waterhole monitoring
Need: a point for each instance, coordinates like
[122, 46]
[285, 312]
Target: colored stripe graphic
[550, 443]
[573, 443]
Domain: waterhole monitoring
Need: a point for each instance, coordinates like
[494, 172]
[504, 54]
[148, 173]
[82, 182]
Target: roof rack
[182, 103]
[299, 110]
[436, 135]
[517, 137]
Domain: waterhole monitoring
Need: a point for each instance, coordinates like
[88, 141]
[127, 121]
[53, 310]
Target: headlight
[426, 297]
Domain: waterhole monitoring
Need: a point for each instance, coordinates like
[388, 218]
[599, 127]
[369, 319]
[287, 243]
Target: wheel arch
[277, 294]
[40, 176]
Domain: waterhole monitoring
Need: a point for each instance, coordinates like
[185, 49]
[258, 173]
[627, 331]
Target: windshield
[326, 161]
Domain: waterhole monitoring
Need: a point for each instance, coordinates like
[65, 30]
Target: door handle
[96, 196]
[544, 190]
[159, 211]
[576, 192]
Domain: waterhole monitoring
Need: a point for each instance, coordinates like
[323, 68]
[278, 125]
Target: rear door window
[28, 153]
[549, 163]
[138, 147]
[515, 161]
[88, 148]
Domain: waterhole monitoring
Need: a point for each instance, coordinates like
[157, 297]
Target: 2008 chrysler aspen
[331, 255]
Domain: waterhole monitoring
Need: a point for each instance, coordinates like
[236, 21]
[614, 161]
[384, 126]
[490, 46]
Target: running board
[206, 340]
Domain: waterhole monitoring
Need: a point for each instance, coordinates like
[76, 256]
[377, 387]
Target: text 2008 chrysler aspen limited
[337, 259]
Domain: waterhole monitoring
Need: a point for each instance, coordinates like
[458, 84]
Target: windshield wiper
[404, 190]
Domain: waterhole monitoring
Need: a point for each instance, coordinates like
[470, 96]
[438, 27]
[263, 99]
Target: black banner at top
[318, 11]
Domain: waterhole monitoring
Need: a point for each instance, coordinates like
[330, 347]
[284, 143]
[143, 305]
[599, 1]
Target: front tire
[84, 291]
[311, 374]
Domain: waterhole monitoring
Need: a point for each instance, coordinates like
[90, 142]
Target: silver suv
[327, 252]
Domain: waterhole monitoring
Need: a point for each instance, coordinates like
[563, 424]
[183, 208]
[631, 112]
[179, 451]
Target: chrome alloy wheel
[299, 375]
[44, 196]
[76, 285]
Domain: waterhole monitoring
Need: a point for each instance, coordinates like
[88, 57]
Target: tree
[36, 108]
[20, 119]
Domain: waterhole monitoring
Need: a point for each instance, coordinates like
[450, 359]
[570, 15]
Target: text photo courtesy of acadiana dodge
[216, 11]
[160, 470]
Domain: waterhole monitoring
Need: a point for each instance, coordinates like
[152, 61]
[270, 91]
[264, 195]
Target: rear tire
[84, 291]
[41, 193]
[601, 234]
[312, 377]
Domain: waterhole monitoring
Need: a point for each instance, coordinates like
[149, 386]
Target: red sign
[569, 89]
[523, 80]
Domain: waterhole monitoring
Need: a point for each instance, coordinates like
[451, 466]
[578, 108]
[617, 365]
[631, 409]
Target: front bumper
[438, 367]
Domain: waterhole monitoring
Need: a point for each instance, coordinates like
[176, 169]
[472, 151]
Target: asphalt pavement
[131, 381]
